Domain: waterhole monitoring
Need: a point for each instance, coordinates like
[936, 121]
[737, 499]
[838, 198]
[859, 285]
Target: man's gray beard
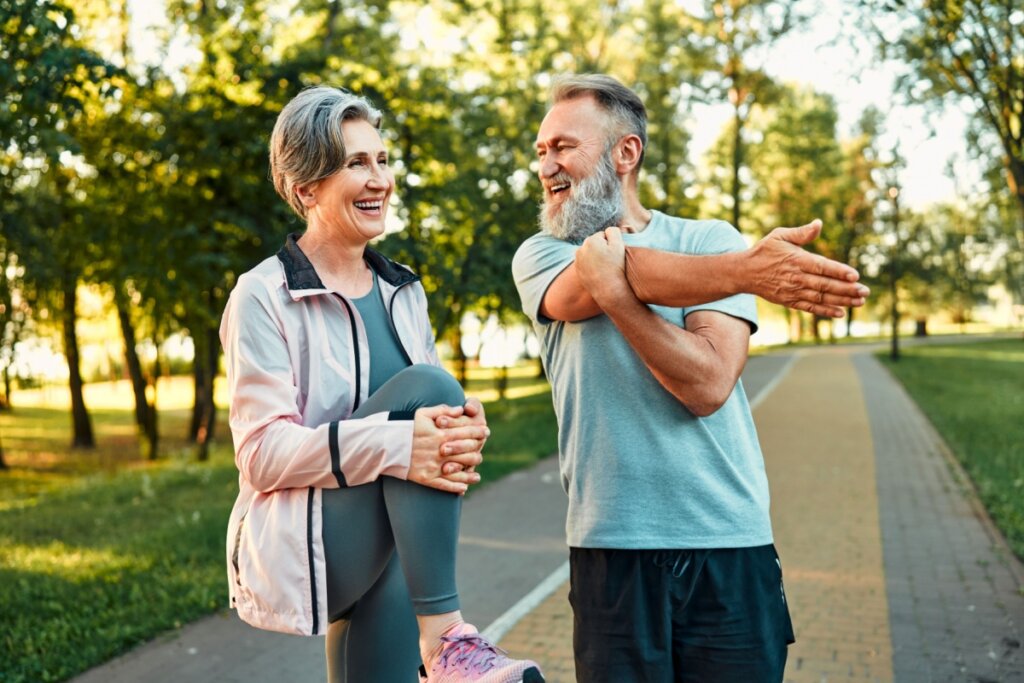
[595, 204]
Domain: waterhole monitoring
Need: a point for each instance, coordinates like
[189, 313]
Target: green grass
[974, 395]
[102, 551]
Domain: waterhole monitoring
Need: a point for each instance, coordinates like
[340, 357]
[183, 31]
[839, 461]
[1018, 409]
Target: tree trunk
[208, 410]
[198, 384]
[131, 358]
[7, 403]
[737, 161]
[145, 414]
[3, 463]
[849, 321]
[461, 371]
[501, 382]
[82, 424]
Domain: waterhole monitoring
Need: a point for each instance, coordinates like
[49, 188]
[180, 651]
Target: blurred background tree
[133, 160]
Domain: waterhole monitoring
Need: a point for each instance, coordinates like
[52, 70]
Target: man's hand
[778, 270]
[601, 267]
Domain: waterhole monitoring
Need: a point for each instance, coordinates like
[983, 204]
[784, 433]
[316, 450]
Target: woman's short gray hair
[307, 144]
[625, 108]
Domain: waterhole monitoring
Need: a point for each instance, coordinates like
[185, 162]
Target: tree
[967, 49]
[736, 32]
[46, 78]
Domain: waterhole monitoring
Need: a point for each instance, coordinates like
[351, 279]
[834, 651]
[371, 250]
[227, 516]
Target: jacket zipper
[312, 566]
[355, 348]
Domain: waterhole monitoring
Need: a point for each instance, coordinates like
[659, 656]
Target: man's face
[582, 191]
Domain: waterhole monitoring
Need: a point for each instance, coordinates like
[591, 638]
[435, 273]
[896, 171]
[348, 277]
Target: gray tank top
[386, 355]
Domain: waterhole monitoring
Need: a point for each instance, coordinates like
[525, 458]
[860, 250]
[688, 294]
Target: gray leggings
[372, 591]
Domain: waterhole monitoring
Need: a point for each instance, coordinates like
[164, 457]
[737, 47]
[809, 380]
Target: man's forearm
[684, 363]
[681, 280]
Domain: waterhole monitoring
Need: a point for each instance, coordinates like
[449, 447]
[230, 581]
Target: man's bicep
[567, 300]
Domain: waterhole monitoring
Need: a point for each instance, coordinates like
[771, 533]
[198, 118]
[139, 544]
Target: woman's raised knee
[430, 385]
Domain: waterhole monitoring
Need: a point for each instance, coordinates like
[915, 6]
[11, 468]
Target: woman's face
[354, 201]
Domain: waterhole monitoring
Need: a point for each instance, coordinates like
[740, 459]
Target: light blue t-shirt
[642, 471]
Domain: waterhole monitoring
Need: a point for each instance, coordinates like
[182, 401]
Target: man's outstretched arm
[776, 269]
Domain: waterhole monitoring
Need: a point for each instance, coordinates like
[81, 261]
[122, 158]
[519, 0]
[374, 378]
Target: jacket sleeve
[273, 449]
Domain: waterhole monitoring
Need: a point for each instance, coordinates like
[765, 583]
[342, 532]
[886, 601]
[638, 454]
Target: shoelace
[469, 652]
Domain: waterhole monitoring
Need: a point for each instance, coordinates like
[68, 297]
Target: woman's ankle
[432, 628]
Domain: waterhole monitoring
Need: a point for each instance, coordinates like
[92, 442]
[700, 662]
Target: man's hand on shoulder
[782, 272]
[601, 267]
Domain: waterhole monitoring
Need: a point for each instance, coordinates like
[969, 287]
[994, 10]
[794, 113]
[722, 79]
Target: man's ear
[306, 195]
[627, 154]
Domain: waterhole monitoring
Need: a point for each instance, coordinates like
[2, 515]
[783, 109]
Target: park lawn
[102, 550]
[974, 395]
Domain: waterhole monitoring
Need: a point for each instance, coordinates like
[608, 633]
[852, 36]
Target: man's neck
[634, 215]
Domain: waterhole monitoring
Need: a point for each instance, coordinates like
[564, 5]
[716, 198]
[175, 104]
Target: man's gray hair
[626, 109]
[307, 144]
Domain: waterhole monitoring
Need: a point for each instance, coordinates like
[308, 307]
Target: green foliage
[972, 51]
[972, 394]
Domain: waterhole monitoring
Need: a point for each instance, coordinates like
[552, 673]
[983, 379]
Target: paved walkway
[893, 571]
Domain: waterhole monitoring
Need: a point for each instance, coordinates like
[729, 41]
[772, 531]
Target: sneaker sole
[533, 675]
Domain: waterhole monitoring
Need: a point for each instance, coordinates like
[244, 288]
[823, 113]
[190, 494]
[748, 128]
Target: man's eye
[383, 161]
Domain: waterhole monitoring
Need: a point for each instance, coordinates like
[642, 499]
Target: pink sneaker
[468, 656]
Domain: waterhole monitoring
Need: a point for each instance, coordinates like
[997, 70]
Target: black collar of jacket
[302, 276]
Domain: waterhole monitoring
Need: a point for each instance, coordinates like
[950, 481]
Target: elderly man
[644, 321]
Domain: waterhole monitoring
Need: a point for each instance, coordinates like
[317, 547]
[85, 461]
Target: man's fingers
[847, 290]
[819, 265]
[802, 235]
[820, 310]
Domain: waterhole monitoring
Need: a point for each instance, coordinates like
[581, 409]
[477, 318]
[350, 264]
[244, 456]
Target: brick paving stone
[958, 584]
[818, 452]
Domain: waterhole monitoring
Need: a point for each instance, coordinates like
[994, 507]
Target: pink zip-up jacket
[297, 366]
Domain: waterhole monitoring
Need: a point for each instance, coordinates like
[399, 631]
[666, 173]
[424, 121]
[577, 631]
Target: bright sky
[850, 74]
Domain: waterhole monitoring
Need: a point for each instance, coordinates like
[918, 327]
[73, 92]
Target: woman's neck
[340, 266]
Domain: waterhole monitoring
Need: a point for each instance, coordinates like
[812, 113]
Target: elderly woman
[353, 446]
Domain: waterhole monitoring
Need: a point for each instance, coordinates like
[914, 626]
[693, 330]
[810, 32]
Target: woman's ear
[627, 156]
[306, 195]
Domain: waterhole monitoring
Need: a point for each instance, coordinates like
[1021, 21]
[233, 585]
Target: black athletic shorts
[679, 616]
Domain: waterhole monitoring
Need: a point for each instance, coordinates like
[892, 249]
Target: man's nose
[548, 167]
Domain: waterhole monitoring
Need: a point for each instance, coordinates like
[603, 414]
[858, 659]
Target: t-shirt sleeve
[722, 238]
[536, 264]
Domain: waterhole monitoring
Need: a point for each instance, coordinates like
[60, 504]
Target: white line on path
[503, 624]
[774, 381]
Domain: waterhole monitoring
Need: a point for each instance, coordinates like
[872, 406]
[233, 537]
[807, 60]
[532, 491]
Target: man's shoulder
[702, 236]
[542, 247]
